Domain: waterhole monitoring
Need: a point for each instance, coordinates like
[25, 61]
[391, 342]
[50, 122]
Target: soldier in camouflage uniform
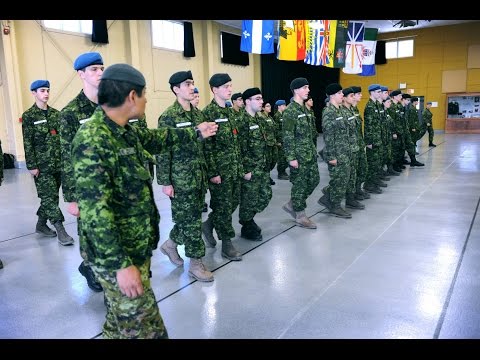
[300, 152]
[256, 191]
[391, 136]
[270, 133]
[224, 167]
[362, 167]
[120, 221]
[409, 141]
[142, 122]
[398, 143]
[427, 122]
[237, 102]
[337, 152]
[89, 67]
[41, 142]
[282, 163]
[181, 170]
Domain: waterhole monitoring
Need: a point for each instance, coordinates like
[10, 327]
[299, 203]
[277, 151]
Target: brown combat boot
[169, 248]
[229, 251]
[198, 270]
[303, 221]
[288, 207]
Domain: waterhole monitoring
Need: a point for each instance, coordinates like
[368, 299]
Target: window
[167, 34]
[399, 49]
[77, 26]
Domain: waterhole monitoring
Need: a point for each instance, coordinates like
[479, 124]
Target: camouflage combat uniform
[269, 130]
[42, 151]
[313, 122]
[373, 136]
[336, 132]
[427, 119]
[222, 154]
[282, 163]
[362, 167]
[183, 166]
[298, 145]
[413, 123]
[398, 144]
[120, 220]
[256, 193]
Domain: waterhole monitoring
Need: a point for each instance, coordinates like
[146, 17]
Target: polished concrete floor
[405, 267]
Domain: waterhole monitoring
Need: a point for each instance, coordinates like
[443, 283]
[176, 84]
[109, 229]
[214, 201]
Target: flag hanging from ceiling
[353, 54]
[337, 43]
[257, 36]
[369, 46]
[314, 42]
[291, 40]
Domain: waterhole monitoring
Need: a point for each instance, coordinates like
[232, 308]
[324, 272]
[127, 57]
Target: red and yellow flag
[291, 40]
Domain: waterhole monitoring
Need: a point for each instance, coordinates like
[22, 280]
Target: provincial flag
[337, 43]
[314, 42]
[257, 36]
[291, 40]
[353, 55]
[368, 52]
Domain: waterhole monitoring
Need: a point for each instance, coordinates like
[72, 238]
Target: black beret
[124, 72]
[348, 91]
[236, 96]
[298, 83]
[356, 89]
[395, 93]
[333, 88]
[180, 77]
[219, 79]
[406, 96]
[39, 84]
[414, 99]
[87, 59]
[250, 92]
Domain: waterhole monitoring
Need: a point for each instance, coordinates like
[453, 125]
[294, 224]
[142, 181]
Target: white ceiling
[383, 26]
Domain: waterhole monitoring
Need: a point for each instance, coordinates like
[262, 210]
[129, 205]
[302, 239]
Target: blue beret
[429, 103]
[228, 104]
[87, 59]
[195, 91]
[218, 80]
[39, 84]
[280, 102]
[180, 77]
[124, 72]
[384, 88]
[374, 87]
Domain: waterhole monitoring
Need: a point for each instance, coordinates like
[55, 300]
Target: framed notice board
[463, 113]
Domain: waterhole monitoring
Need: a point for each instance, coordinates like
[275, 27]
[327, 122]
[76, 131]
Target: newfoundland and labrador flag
[257, 36]
[353, 56]
[369, 47]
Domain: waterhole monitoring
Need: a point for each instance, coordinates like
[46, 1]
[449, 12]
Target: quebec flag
[257, 36]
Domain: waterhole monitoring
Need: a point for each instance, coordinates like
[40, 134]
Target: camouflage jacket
[182, 165]
[373, 130]
[359, 127]
[253, 143]
[77, 112]
[313, 122]
[41, 141]
[222, 151]
[297, 134]
[269, 128]
[413, 118]
[278, 118]
[350, 118]
[397, 118]
[427, 117]
[120, 221]
[336, 134]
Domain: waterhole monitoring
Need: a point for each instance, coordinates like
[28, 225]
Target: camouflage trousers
[352, 180]
[224, 199]
[398, 149]
[304, 180]
[272, 154]
[48, 186]
[374, 161]
[127, 318]
[362, 168]
[431, 132]
[282, 163]
[387, 155]
[187, 209]
[255, 195]
[339, 181]
[409, 144]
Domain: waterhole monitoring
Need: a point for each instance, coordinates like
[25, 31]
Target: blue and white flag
[257, 36]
